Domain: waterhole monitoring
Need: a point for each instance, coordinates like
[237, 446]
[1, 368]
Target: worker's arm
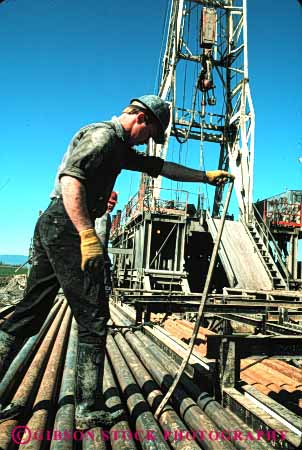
[74, 199]
[178, 172]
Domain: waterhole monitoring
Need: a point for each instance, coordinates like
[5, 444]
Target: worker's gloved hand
[218, 177]
[92, 251]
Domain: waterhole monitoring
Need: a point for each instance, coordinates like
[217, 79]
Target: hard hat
[160, 111]
[113, 197]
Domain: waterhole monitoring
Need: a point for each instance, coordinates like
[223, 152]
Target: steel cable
[201, 307]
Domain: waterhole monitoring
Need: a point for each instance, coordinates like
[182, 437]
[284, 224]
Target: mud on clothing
[95, 156]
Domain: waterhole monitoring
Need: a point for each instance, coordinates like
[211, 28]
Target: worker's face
[110, 206]
[141, 131]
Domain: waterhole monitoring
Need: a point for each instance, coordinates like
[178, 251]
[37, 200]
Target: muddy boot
[7, 348]
[7, 342]
[90, 369]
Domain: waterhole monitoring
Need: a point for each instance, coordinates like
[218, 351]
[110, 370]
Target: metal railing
[283, 213]
[177, 203]
[271, 244]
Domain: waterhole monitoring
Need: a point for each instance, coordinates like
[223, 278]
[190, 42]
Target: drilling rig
[162, 240]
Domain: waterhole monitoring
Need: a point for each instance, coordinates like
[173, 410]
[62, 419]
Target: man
[102, 228]
[67, 251]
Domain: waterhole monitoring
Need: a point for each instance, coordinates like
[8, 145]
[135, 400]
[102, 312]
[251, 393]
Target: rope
[201, 306]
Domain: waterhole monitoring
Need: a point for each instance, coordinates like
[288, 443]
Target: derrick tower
[206, 48]
[163, 240]
[165, 244]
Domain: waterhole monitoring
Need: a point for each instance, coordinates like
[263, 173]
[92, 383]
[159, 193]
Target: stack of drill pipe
[285, 368]
[290, 399]
[294, 373]
[190, 413]
[188, 326]
[25, 354]
[169, 420]
[203, 332]
[174, 329]
[185, 335]
[285, 394]
[222, 420]
[140, 414]
[275, 381]
[30, 383]
[275, 375]
[44, 402]
[266, 374]
[256, 383]
[64, 419]
[266, 369]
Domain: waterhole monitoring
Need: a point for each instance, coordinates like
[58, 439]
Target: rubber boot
[7, 347]
[90, 370]
[7, 342]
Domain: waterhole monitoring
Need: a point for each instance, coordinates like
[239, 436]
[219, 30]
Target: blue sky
[66, 64]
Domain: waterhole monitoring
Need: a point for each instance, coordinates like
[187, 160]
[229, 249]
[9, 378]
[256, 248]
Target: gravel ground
[12, 292]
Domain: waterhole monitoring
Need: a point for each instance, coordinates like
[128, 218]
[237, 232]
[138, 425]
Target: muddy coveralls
[95, 156]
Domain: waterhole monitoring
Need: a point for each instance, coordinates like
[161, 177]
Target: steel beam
[260, 419]
[256, 347]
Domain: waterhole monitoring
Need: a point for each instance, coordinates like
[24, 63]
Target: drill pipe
[169, 420]
[211, 407]
[100, 436]
[93, 439]
[45, 399]
[23, 357]
[113, 401]
[206, 403]
[141, 415]
[28, 387]
[189, 411]
[65, 412]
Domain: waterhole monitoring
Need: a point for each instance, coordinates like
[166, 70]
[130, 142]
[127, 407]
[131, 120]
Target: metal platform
[239, 258]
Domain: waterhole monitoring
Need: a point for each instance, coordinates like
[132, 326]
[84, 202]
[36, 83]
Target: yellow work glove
[91, 251]
[218, 177]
